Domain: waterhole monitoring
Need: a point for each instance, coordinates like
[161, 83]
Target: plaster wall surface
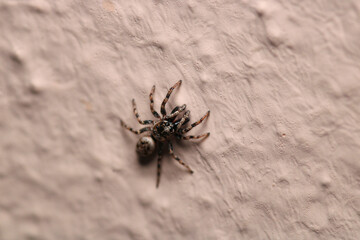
[282, 81]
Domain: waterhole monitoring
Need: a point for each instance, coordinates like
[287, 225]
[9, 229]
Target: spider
[163, 130]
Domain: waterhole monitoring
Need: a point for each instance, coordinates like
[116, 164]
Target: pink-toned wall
[282, 81]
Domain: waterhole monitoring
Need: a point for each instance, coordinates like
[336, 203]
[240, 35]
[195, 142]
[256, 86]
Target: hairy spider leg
[205, 135]
[185, 118]
[163, 111]
[185, 130]
[159, 164]
[173, 114]
[145, 129]
[145, 122]
[171, 150]
[174, 110]
[152, 103]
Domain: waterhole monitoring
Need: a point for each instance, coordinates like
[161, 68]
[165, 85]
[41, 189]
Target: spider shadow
[145, 161]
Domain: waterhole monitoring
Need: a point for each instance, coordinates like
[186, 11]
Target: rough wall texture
[281, 79]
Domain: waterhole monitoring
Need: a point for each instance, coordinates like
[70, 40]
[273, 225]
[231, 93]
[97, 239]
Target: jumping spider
[163, 129]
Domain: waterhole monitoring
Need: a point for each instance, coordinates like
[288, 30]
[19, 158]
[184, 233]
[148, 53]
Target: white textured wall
[281, 79]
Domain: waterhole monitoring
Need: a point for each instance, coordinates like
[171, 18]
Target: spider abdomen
[163, 130]
[145, 146]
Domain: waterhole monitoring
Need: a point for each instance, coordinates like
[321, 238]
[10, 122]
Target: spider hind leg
[171, 150]
[158, 173]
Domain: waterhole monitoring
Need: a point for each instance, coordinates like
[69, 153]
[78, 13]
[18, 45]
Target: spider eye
[145, 146]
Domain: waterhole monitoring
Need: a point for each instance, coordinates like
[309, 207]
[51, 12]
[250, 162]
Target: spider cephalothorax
[164, 129]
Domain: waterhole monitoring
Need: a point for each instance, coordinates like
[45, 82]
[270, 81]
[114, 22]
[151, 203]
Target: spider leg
[185, 130]
[171, 150]
[175, 109]
[205, 135]
[176, 112]
[163, 111]
[145, 122]
[152, 103]
[145, 129]
[182, 121]
[159, 164]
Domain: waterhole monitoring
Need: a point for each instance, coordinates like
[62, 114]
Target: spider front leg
[152, 103]
[185, 130]
[163, 111]
[159, 164]
[145, 129]
[177, 108]
[171, 150]
[176, 111]
[138, 117]
[183, 120]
